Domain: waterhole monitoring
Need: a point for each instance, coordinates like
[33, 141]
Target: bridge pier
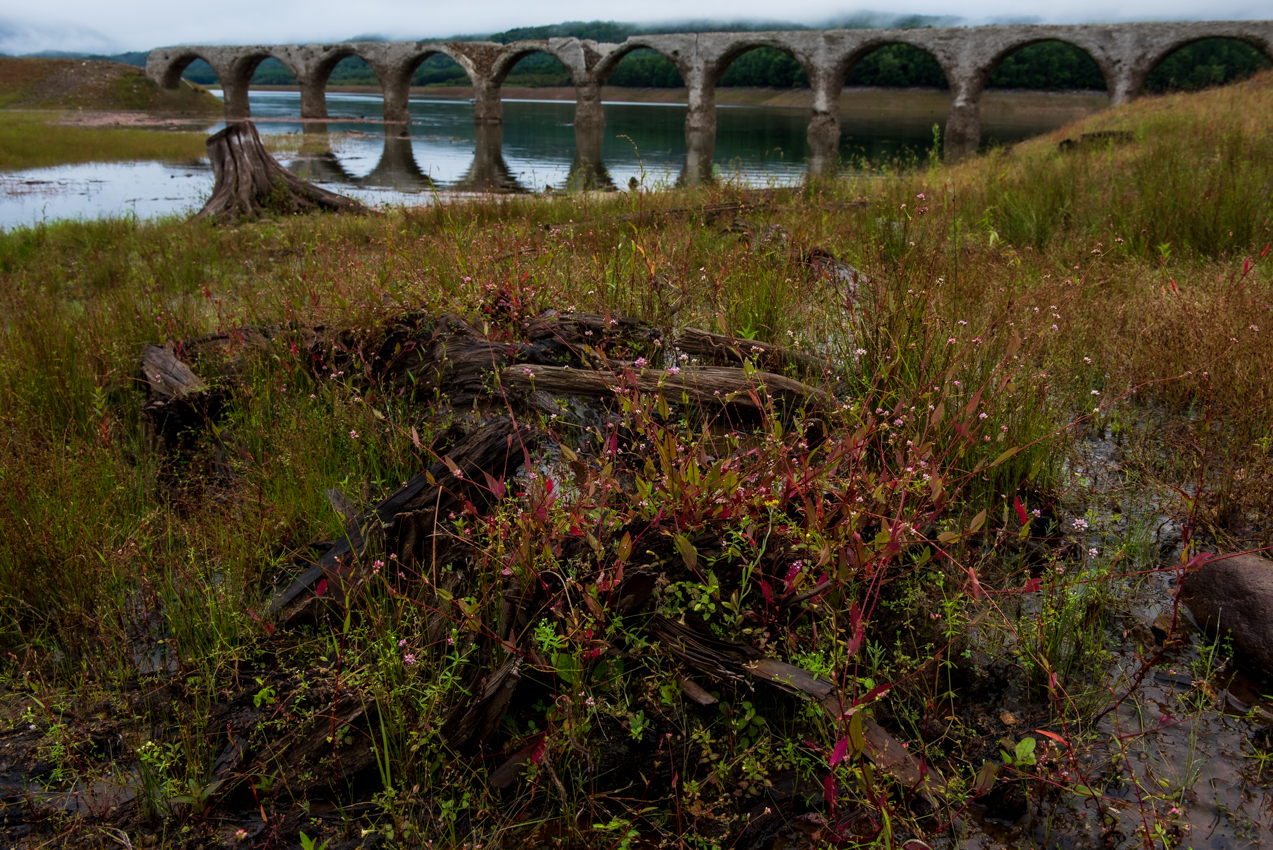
[311, 65]
[700, 125]
[1126, 85]
[963, 125]
[588, 109]
[701, 89]
[487, 107]
[588, 170]
[235, 92]
[313, 96]
[824, 123]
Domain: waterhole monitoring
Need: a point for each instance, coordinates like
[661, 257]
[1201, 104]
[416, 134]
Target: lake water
[536, 148]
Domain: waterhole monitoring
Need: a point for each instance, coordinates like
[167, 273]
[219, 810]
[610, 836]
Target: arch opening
[272, 72]
[1204, 64]
[537, 69]
[764, 67]
[352, 70]
[438, 69]
[645, 68]
[1048, 66]
[196, 70]
[898, 65]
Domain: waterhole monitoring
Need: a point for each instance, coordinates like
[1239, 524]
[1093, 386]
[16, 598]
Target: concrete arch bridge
[1124, 53]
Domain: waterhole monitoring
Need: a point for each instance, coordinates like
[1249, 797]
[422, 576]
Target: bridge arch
[518, 51]
[233, 66]
[1263, 46]
[1106, 64]
[748, 43]
[825, 128]
[853, 60]
[176, 65]
[607, 64]
[394, 64]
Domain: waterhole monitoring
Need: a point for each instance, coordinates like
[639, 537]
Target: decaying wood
[178, 400]
[506, 774]
[763, 355]
[168, 377]
[576, 330]
[695, 691]
[250, 182]
[473, 721]
[408, 518]
[725, 659]
[704, 386]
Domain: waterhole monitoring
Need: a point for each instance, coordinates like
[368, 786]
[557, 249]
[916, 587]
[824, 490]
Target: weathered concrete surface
[1234, 597]
[1125, 54]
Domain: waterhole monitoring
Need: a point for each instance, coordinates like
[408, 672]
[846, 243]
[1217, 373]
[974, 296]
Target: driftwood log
[704, 386]
[250, 182]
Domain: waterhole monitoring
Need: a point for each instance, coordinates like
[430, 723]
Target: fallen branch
[704, 386]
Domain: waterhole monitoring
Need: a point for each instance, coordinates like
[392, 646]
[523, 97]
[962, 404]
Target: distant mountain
[132, 57]
[613, 31]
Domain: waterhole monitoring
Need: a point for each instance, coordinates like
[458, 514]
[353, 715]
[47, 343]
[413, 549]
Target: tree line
[1048, 65]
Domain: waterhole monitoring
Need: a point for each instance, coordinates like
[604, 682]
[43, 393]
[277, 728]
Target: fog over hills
[81, 43]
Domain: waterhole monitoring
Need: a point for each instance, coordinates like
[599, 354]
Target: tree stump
[250, 182]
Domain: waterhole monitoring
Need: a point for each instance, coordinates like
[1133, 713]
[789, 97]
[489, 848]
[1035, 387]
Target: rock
[1234, 596]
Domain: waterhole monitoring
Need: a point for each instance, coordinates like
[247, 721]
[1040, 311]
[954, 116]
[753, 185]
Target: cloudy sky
[109, 27]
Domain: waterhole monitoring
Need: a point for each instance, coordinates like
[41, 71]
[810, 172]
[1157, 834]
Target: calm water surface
[536, 148]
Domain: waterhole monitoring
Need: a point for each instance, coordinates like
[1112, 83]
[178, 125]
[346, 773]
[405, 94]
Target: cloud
[94, 26]
[20, 37]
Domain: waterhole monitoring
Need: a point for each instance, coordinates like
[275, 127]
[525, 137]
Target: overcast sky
[110, 27]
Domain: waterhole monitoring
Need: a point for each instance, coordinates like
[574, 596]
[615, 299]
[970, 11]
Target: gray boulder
[1234, 596]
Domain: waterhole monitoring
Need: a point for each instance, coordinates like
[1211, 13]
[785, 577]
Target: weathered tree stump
[250, 182]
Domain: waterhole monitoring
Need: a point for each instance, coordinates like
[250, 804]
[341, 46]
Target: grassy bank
[571, 645]
[96, 85]
[37, 139]
[38, 94]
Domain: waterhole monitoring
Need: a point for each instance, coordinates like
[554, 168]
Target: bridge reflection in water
[489, 172]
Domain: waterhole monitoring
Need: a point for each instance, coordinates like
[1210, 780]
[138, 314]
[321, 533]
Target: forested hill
[1048, 65]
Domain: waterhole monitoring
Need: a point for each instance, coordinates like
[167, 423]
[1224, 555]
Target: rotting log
[764, 355]
[476, 719]
[178, 400]
[704, 386]
[167, 377]
[250, 182]
[722, 659]
[409, 517]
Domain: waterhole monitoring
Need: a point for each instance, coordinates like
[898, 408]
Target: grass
[914, 539]
[40, 139]
[95, 85]
[36, 140]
